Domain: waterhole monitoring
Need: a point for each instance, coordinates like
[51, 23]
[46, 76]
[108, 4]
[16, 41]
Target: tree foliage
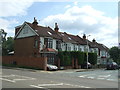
[115, 54]
[67, 56]
[8, 46]
[92, 58]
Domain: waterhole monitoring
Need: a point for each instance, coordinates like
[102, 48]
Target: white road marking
[46, 72]
[86, 75]
[36, 86]
[8, 75]
[50, 84]
[91, 77]
[110, 79]
[77, 86]
[7, 80]
[17, 78]
[104, 76]
[25, 77]
[81, 76]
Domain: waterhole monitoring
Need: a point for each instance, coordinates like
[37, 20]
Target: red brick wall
[34, 62]
[25, 46]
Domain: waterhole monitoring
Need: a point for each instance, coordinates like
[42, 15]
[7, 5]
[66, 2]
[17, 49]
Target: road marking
[46, 72]
[41, 85]
[50, 84]
[19, 79]
[91, 77]
[104, 76]
[110, 79]
[7, 80]
[8, 75]
[82, 76]
[77, 86]
[36, 86]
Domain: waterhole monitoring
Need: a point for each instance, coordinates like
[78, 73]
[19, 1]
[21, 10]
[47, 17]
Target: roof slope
[44, 31]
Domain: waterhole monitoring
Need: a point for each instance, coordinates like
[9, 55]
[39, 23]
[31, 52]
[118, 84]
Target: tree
[115, 54]
[92, 58]
[8, 46]
[3, 35]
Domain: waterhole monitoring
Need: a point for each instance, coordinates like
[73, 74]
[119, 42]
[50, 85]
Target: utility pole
[87, 50]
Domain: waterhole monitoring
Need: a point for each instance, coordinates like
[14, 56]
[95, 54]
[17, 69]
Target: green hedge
[92, 58]
[66, 57]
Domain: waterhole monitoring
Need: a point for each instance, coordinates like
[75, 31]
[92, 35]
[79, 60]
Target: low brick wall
[34, 62]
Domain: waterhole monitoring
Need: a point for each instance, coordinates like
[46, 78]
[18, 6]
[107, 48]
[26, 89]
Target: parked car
[84, 66]
[112, 66]
[51, 67]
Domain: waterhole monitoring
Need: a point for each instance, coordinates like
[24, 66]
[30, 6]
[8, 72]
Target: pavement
[75, 70]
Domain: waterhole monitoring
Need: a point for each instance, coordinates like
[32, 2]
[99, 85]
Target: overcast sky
[98, 19]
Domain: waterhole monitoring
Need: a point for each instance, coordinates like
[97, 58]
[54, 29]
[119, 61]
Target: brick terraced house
[33, 40]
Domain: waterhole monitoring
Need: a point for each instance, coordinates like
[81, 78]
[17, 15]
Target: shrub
[92, 58]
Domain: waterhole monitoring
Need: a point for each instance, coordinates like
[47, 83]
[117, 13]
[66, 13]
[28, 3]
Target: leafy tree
[3, 35]
[115, 54]
[7, 46]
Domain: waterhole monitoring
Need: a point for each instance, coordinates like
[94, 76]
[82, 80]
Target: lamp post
[87, 50]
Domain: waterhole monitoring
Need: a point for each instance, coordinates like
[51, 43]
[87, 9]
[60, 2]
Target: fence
[34, 62]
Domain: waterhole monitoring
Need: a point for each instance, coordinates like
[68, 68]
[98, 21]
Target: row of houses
[33, 40]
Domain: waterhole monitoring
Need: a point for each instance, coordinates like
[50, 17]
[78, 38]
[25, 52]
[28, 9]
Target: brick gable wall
[25, 46]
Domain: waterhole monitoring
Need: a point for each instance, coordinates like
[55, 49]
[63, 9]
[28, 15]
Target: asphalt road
[12, 78]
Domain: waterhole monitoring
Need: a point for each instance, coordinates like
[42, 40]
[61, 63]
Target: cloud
[14, 8]
[5, 24]
[76, 3]
[86, 20]
[68, 6]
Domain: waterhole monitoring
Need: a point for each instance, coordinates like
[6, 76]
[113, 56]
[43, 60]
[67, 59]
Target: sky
[97, 18]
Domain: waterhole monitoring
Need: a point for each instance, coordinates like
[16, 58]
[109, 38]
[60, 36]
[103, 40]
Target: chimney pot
[35, 21]
[56, 27]
[84, 36]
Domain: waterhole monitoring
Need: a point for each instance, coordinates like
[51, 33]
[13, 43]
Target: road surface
[22, 78]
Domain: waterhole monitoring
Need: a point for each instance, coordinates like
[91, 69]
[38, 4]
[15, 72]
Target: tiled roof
[98, 45]
[44, 31]
[78, 39]
[66, 38]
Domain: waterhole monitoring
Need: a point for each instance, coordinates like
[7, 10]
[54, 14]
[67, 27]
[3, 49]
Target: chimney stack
[93, 40]
[84, 36]
[35, 21]
[56, 28]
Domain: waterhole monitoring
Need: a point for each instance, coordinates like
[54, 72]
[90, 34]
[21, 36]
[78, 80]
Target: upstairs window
[66, 47]
[58, 45]
[48, 42]
[75, 48]
[69, 48]
[79, 49]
